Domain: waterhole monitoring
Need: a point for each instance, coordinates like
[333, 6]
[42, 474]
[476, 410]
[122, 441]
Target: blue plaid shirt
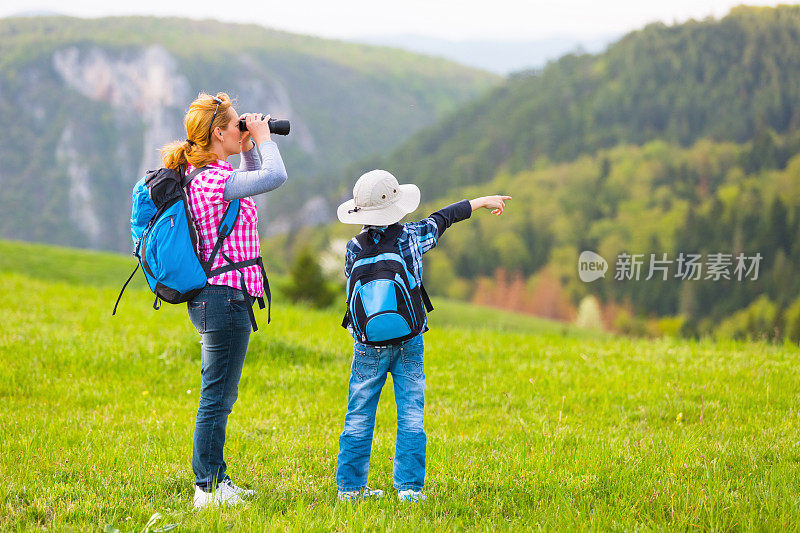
[416, 239]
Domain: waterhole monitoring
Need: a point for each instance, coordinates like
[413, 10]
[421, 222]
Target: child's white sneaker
[364, 494]
[410, 495]
[238, 490]
[224, 495]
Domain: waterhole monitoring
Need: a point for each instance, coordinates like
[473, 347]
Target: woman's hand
[258, 128]
[496, 203]
[244, 142]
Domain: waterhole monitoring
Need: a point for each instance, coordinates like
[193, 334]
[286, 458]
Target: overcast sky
[448, 19]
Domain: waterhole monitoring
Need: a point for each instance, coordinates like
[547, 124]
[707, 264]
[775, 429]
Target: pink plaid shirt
[205, 196]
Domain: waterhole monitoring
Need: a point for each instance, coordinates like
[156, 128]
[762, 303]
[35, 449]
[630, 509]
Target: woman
[221, 312]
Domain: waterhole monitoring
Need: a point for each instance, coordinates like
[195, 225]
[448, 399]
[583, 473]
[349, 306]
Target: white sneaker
[238, 490]
[410, 495]
[363, 494]
[224, 495]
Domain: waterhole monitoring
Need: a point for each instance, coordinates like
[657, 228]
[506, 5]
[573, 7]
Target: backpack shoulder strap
[389, 240]
[425, 298]
[187, 179]
[114, 312]
[229, 218]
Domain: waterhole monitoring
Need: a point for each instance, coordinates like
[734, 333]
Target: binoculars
[278, 127]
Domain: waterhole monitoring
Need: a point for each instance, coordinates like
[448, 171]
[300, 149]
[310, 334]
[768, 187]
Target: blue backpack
[165, 241]
[384, 301]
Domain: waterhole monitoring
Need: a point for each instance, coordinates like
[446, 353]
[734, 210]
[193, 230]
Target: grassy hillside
[92, 270]
[536, 429]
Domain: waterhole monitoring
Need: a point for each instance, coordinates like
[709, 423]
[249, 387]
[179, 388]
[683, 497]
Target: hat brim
[407, 201]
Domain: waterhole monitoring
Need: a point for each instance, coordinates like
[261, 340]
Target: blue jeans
[221, 318]
[367, 377]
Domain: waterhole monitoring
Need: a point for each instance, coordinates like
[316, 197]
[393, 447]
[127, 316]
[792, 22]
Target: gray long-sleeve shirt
[254, 175]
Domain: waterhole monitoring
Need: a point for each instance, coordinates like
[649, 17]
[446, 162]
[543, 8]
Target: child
[393, 340]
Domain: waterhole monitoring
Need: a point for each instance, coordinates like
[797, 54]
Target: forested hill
[89, 101]
[725, 79]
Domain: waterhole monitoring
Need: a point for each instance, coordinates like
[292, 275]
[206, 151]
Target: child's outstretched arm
[429, 230]
[496, 203]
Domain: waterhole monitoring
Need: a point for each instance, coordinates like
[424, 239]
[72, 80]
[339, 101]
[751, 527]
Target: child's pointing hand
[496, 203]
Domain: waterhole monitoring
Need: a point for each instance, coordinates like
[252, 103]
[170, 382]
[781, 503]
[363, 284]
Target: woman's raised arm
[266, 175]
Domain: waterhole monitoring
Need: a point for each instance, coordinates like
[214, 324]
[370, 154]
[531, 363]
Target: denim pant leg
[367, 377]
[409, 392]
[220, 315]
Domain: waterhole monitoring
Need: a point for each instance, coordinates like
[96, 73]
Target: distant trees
[307, 282]
[654, 199]
[658, 198]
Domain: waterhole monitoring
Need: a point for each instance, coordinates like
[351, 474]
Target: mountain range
[500, 57]
[94, 99]
[724, 80]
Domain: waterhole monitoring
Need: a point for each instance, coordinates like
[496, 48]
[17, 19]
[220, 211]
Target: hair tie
[191, 142]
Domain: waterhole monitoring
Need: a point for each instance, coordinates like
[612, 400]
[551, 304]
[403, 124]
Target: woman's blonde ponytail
[175, 154]
[196, 149]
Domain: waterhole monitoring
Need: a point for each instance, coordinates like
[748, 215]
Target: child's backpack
[384, 301]
[165, 241]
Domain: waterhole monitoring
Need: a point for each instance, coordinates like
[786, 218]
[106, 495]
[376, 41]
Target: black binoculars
[278, 127]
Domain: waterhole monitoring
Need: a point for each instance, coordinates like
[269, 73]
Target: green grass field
[531, 425]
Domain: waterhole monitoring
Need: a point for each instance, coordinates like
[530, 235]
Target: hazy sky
[449, 19]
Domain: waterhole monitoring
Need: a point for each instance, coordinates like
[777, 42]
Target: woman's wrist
[262, 139]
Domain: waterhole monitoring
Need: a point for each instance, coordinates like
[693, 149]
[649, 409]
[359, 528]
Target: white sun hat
[378, 200]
